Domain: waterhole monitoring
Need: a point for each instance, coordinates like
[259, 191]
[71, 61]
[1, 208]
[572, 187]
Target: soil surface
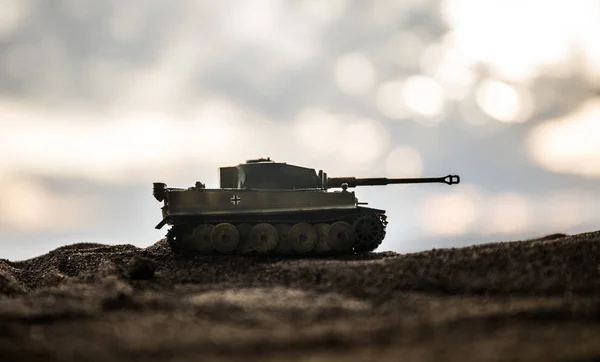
[525, 300]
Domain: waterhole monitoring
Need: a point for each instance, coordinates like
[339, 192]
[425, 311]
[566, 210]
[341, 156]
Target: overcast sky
[98, 99]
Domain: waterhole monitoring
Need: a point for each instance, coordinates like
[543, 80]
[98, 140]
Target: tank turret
[264, 206]
[263, 173]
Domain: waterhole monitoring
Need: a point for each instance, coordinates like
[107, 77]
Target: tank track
[349, 235]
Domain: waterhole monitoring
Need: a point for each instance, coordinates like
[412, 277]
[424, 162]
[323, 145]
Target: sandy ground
[526, 300]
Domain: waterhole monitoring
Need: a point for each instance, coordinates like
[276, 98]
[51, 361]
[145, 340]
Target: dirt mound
[10, 276]
[99, 302]
[536, 267]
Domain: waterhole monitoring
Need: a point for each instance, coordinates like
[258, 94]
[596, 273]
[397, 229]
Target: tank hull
[209, 202]
[194, 213]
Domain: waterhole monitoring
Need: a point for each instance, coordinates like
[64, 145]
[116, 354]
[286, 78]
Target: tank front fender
[162, 223]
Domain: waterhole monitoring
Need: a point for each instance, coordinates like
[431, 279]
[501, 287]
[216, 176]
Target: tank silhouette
[264, 206]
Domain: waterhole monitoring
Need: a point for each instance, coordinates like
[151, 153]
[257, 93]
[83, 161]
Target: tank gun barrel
[337, 182]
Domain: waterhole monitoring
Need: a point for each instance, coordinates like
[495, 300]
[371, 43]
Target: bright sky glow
[508, 213]
[418, 97]
[389, 100]
[404, 49]
[290, 37]
[502, 34]
[136, 147]
[28, 206]
[404, 161]
[318, 130]
[570, 144]
[423, 96]
[353, 142]
[11, 13]
[127, 148]
[447, 67]
[451, 213]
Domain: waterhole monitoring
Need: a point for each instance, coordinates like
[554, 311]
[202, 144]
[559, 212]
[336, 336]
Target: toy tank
[269, 207]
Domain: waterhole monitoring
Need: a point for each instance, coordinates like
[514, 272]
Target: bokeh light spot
[389, 100]
[423, 96]
[570, 144]
[354, 74]
[502, 102]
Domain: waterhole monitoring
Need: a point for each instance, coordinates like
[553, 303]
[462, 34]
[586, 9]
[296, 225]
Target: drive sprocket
[370, 231]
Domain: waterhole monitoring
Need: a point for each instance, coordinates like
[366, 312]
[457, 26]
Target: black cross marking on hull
[235, 199]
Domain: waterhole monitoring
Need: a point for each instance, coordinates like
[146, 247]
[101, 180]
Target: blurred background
[98, 99]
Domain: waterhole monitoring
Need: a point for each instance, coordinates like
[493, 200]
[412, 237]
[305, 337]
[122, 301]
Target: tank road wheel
[303, 237]
[201, 239]
[225, 237]
[244, 246]
[283, 246]
[370, 232]
[341, 236]
[264, 237]
[322, 245]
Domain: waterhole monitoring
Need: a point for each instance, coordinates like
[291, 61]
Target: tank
[269, 207]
